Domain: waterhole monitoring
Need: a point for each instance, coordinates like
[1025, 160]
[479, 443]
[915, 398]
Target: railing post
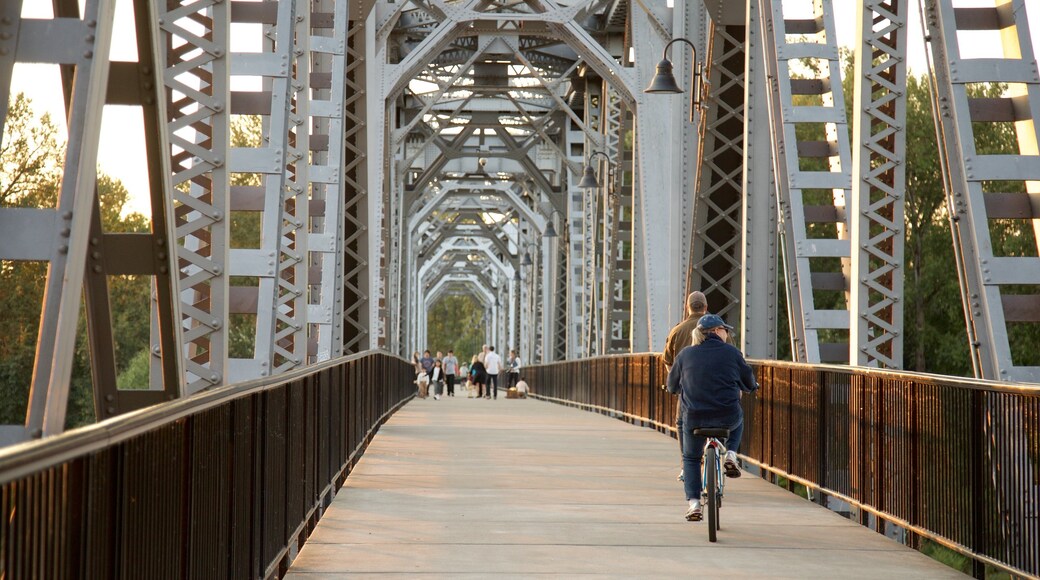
[821, 435]
[976, 432]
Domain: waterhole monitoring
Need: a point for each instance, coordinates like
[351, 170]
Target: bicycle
[713, 484]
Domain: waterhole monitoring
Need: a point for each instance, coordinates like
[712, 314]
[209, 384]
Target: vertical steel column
[328, 57]
[86, 47]
[657, 277]
[355, 208]
[290, 299]
[758, 308]
[196, 80]
[715, 266]
[813, 175]
[561, 298]
[611, 183]
[878, 185]
[267, 161]
[620, 297]
[590, 224]
[998, 288]
[574, 224]
[137, 84]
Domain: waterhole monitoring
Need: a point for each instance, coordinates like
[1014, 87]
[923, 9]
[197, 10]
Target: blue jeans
[693, 452]
[679, 413]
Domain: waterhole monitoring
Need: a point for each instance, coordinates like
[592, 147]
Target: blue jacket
[710, 377]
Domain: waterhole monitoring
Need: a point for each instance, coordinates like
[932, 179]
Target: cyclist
[709, 378]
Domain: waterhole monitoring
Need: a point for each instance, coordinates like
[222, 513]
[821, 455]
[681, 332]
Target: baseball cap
[696, 300]
[709, 321]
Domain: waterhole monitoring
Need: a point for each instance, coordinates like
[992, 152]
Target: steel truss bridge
[413, 149]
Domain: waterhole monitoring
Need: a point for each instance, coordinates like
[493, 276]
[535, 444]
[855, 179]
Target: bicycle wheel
[711, 487]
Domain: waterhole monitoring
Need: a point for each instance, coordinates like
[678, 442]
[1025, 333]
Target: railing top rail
[925, 378]
[20, 460]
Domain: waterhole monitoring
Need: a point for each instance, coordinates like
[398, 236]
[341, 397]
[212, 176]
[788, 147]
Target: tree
[455, 323]
[29, 177]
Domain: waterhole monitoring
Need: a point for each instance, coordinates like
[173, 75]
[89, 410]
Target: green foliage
[30, 162]
[455, 322]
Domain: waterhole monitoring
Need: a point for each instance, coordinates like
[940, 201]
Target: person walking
[437, 379]
[451, 368]
[478, 375]
[513, 362]
[492, 364]
[426, 361]
[709, 378]
[680, 337]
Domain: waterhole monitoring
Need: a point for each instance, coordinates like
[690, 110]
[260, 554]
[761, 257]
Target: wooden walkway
[518, 488]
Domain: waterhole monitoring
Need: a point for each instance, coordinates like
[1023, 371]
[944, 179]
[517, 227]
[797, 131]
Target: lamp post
[664, 81]
[550, 229]
[588, 180]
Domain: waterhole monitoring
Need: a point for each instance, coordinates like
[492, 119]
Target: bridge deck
[466, 487]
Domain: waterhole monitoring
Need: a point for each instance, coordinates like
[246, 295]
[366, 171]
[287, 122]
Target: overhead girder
[454, 189]
[559, 23]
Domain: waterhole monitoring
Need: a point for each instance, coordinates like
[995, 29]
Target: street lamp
[550, 229]
[588, 180]
[664, 81]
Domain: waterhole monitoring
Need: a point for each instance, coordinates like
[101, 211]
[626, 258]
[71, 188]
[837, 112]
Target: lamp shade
[588, 180]
[550, 230]
[527, 259]
[664, 80]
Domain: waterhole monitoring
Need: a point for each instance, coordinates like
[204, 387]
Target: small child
[423, 382]
[437, 379]
[521, 388]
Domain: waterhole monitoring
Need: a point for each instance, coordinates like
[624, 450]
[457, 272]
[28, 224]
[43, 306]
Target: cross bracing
[410, 148]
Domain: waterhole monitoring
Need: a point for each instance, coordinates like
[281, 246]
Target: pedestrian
[426, 361]
[492, 366]
[437, 379]
[709, 378]
[514, 369]
[423, 383]
[478, 375]
[680, 337]
[451, 368]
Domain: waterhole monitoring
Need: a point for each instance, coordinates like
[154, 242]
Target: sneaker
[680, 477]
[732, 470]
[694, 513]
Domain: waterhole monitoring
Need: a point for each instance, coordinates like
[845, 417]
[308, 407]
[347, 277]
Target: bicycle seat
[718, 433]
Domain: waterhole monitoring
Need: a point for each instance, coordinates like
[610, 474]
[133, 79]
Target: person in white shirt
[451, 368]
[492, 365]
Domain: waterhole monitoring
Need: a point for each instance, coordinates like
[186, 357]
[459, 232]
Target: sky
[121, 153]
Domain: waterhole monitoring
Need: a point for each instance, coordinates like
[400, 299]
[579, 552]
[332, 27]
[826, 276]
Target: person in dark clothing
[478, 375]
[709, 378]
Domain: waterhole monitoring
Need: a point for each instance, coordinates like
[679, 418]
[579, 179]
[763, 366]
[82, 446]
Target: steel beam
[999, 289]
[759, 252]
[813, 175]
[878, 185]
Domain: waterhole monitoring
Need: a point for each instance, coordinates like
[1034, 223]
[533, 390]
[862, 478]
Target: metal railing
[953, 461]
[225, 484]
